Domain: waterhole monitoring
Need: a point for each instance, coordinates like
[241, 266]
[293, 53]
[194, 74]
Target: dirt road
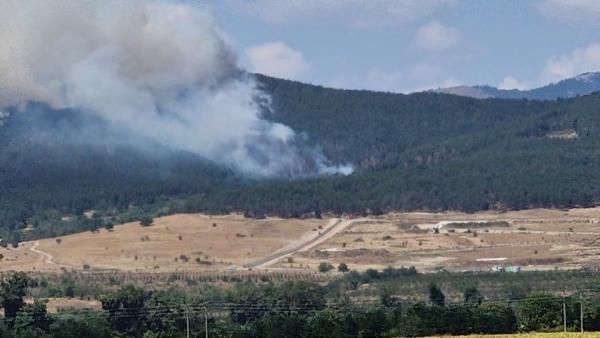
[49, 259]
[334, 226]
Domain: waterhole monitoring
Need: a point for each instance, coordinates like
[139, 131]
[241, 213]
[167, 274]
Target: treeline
[290, 309]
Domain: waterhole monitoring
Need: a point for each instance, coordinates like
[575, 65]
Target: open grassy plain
[172, 243]
[539, 239]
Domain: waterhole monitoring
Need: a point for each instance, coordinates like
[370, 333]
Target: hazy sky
[408, 45]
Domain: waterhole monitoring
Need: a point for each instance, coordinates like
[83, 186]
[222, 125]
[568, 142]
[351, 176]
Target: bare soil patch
[537, 239]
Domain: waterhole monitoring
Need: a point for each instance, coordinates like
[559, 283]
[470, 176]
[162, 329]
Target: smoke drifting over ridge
[161, 71]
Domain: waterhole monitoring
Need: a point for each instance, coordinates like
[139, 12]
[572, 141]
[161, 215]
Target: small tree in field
[146, 221]
[325, 267]
[343, 267]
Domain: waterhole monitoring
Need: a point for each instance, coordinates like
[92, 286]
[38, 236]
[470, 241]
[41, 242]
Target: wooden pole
[564, 315]
[187, 320]
[205, 322]
[581, 313]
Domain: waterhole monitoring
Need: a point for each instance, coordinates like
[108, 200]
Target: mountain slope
[420, 151]
[57, 164]
[435, 151]
[582, 84]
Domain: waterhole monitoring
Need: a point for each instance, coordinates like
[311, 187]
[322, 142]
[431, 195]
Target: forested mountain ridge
[436, 151]
[581, 84]
[411, 152]
[375, 130]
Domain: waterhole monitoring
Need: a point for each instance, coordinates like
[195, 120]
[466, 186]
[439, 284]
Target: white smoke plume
[158, 69]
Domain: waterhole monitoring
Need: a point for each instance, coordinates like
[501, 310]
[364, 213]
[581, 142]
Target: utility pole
[581, 312]
[205, 322]
[564, 315]
[187, 320]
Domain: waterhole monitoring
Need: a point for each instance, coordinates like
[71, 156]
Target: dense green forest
[299, 309]
[431, 151]
[421, 151]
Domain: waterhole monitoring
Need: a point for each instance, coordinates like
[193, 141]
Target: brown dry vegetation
[535, 239]
[54, 305]
[173, 243]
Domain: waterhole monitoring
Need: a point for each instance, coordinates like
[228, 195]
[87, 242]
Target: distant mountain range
[582, 84]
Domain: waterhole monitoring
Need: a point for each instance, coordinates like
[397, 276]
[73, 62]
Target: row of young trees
[290, 309]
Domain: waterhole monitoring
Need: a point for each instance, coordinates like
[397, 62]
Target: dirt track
[49, 259]
[334, 226]
[535, 239]
[539, 239]
[173, 243]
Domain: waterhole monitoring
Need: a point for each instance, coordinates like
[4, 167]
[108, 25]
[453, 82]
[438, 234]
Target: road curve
[49, 259]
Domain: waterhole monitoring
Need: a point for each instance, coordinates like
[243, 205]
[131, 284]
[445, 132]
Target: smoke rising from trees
[159, 70]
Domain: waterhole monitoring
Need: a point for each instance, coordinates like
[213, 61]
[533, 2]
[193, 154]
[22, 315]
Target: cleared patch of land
[537, 239]
[54, 305]
[172, 243]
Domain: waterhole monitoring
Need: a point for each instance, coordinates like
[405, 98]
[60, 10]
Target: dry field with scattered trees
[539, 239]
[171, 243]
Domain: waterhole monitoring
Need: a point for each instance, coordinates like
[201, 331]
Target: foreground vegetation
[293, 309]
[540, 335]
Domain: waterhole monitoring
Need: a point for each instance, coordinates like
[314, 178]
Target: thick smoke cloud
[160, 70]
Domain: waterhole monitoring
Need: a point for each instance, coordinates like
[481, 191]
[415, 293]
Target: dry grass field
[531, 239]
[172, 243]
[54, 305]
[538, 335]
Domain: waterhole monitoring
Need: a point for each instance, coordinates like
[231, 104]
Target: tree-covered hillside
[434, 151]
[54, 165]
[419, 151]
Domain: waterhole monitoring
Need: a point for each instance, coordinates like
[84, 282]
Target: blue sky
[410, 45]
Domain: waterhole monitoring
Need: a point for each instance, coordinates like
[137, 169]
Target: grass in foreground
[538, 335]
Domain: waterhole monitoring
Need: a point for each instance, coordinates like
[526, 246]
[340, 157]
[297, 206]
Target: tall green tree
[472, 296]
[436, 296]
[33, 318]
[540, 312]
[126, 308]
[12, 292]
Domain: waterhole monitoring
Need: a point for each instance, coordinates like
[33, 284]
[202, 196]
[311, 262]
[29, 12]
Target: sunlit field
[538, 335]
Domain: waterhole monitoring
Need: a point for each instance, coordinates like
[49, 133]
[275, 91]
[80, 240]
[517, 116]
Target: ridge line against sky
[413, 45]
